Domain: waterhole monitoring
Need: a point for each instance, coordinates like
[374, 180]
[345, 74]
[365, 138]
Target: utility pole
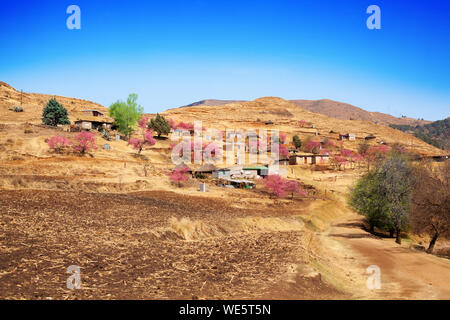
[21, 96]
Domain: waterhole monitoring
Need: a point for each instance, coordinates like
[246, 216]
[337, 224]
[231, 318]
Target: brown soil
[132, 246]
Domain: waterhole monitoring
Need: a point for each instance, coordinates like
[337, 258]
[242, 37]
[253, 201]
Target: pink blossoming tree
[58, 143]
[179, 176]
[84, 142]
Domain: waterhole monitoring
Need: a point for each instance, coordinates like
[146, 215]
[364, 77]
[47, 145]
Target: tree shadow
[355, 236]
[361, 225]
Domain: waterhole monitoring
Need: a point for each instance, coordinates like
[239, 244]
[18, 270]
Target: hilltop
[331, 108]
[211, 102]
[33, 104]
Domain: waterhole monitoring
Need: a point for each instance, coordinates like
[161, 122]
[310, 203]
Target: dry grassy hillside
[33, 104]
[251, 114]
[286, 115]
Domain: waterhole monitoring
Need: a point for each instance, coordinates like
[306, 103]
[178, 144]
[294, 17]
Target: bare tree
[430, 201]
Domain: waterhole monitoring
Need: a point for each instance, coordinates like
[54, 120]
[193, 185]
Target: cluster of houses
[352, 137]
[237, 176]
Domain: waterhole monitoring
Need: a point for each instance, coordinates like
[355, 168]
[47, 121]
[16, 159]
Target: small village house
[222, 173]
[207, 169]
[236, 183]
[255, 171]
[93, 119]
[308, 158]
[347, 136]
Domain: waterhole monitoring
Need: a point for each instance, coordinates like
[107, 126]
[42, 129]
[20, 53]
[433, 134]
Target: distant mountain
[345, 111]
[331, 108]
[212, 102]
[436, 133]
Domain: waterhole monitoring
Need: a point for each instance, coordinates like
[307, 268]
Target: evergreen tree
[160, 125]
[54, 114]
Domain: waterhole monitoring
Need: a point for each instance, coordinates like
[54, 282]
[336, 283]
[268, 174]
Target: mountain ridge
[330, 108]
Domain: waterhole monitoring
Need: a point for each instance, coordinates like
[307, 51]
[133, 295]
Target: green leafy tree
[126, 114]
[383, 195]
[54, 113]
[367, 201]
[297, 142]
[160, 125]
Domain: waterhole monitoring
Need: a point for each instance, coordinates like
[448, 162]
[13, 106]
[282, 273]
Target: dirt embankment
[406, 273]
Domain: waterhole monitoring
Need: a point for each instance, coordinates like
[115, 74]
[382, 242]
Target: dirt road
[405, 273]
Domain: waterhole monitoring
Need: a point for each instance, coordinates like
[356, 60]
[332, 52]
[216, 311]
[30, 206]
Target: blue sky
[173, 53]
